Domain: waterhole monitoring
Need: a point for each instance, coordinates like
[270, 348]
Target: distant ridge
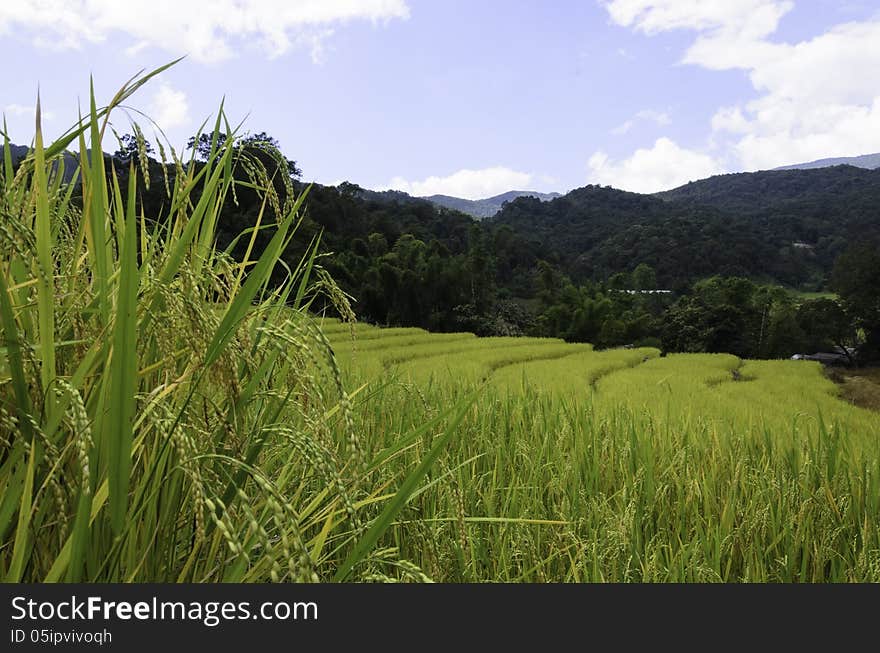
[869, 161]
[755, 192]
[19, 152]
[486, 208]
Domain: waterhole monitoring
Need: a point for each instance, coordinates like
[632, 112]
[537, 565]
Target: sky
[469, 98]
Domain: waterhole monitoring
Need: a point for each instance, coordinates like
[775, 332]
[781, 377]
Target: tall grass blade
[409, 485]
[257, 278]
[12, 341]
[46, 268]
[123, 375]
[22, 530]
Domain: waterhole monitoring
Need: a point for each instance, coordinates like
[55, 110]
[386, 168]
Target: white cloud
[646, 115]
[623, 128]
[25, 111]
[816, 98]
[730, 119]
[209, 30]
[822, 131]
[169, 107]
[659, 117]
[752, 17]
[663, 166]
[468, 184]
[731, 33]
[134, 50]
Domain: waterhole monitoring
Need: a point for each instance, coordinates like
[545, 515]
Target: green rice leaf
[122, 379]
[409, 485]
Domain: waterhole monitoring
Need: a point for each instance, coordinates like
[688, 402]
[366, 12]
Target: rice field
[625, 465]
[171, 414]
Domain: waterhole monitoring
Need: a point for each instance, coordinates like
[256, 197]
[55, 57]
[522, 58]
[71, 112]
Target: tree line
[579, 267]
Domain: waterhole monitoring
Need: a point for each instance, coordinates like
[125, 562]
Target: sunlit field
[171, 413]
[621, 465]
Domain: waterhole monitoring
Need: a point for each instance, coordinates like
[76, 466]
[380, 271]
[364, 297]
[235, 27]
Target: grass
[573, 375]
[622, 466]
[167, 414]
[478, 363]
[426, 354]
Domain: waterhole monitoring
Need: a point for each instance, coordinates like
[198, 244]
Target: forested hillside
[838, 188]
[577, 266]
[593, 233]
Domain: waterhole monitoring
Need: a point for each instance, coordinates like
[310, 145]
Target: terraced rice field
[622, 465]
[718, 386]
[165, 417]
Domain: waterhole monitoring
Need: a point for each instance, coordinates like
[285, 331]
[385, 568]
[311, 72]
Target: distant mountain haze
[71, 161]
[869, 161]
[479, 209]
[486, 208]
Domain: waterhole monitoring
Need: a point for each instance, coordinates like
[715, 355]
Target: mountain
[489, 206]
[772, 190]
[869, 161]
[786, 226]
[19, 152]
[594, 232]
[783, 226]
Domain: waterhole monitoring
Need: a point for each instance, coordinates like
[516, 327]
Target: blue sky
[473, 98]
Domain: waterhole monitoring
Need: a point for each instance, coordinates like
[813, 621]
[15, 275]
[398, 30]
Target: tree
[377, 244]
[261, 141]
[128, 147]
[481, 268]
[202, 145]
[856, 279]
[782, 334]
[644, 277]
[824, 323]
[349, 190]
[620, 281]
[264, 141]
[719, 316]
[549, 282]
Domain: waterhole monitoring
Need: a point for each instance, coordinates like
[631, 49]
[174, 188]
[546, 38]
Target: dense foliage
[568, 267]
[576, 267]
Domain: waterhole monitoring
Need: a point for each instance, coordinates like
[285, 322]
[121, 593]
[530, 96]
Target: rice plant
[620, 466]
[169, 413]
[575, 374]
